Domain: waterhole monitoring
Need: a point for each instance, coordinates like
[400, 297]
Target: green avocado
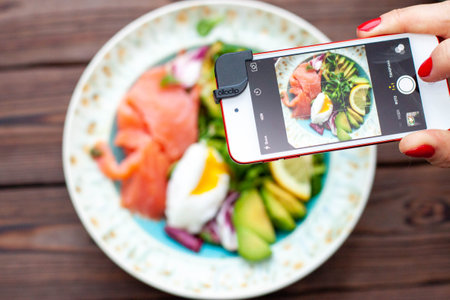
[251, 246]
[342, 135]
[250, 213]
[355, 115]
[349, 70]
[352, 120]
[206, 96]
[359, 80]
[277, 213]
[296, 209]
[341, 60]
[341, 121]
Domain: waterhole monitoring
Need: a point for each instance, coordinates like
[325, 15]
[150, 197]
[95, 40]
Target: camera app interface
[335, 95]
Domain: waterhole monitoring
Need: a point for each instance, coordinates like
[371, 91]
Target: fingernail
[425, 151]
[369, 25]
[425, 68]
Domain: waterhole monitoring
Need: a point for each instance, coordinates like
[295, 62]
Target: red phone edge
[313, 152]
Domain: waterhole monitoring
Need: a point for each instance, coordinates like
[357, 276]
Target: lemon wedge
[294, 175]
[358, 98]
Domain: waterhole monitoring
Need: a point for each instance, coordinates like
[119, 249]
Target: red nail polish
[425, 68]
[425, 151]
[369, 25]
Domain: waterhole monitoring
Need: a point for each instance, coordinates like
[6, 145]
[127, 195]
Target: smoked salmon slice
[144, 192]
[169, 113]
[305, 85]
[156, 124]
[108, 165]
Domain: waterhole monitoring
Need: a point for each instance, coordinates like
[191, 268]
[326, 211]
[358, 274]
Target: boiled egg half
[197, 188]
[321, 109]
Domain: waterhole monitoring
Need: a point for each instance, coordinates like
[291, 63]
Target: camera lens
[236, 109]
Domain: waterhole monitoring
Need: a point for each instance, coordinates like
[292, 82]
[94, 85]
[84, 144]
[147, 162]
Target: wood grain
[48, 32]
[386, 254]
[33, 105]
[398, 250]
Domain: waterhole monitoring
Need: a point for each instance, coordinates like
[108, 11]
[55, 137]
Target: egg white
[185, 210]
[318, 117]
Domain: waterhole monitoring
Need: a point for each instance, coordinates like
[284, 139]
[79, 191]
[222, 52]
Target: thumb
[437, 66]
[432, 144]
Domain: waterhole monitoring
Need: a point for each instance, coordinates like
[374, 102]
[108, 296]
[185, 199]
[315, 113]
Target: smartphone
[292, 102]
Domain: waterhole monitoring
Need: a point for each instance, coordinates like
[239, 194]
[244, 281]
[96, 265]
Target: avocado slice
[349, 69]
[344, 66]
[359, 80]
[352, 120]
[341, 121]
[289, 202]
[277, 213]
[355, 115]
[341, 60]
[349, 74]
[251, 246]
[342, 135]
[249, 212]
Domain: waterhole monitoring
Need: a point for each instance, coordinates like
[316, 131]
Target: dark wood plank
[339, 19]
[399, 249]
[400, 244]
[410, 200]
[432, 291]
[33, 105]
[47, 31]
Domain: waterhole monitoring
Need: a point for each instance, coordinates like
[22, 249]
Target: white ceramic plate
[139, 246]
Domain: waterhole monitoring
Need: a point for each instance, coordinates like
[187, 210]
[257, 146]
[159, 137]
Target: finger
[437, 67]
[425, 18]
[434, 145]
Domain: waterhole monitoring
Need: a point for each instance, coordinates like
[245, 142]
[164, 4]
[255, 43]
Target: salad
[177, 167]
[332, 92]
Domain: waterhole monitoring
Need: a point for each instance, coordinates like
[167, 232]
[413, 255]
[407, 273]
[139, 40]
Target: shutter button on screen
[406, 84]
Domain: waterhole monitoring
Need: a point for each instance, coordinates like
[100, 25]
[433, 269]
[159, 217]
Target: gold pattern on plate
[94, 222]
[84, 101]
[231, 14]
[91, 128]
[107, 71]
[298, 265]
[182, 17]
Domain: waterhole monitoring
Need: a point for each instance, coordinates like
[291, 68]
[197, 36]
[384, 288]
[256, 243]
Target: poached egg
[197, 188]
[321, 109]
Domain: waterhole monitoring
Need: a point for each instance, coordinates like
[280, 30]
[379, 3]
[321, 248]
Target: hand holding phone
[328, 97]
[434, 145]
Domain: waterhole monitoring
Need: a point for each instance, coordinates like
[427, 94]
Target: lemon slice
[358, 98]
[294, 175]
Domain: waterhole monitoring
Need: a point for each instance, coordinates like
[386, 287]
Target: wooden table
[399, 249]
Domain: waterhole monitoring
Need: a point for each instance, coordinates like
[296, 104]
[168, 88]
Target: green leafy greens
[204, 26]
[338, 89]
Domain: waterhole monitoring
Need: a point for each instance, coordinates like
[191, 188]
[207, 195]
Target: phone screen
[326, 97]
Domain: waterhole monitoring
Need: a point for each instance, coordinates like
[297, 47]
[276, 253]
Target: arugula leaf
[168, 80]
[95, 153]
[204, 26]
[338, 89]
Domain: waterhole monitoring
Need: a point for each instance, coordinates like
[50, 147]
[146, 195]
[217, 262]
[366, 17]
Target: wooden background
[399, 249]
